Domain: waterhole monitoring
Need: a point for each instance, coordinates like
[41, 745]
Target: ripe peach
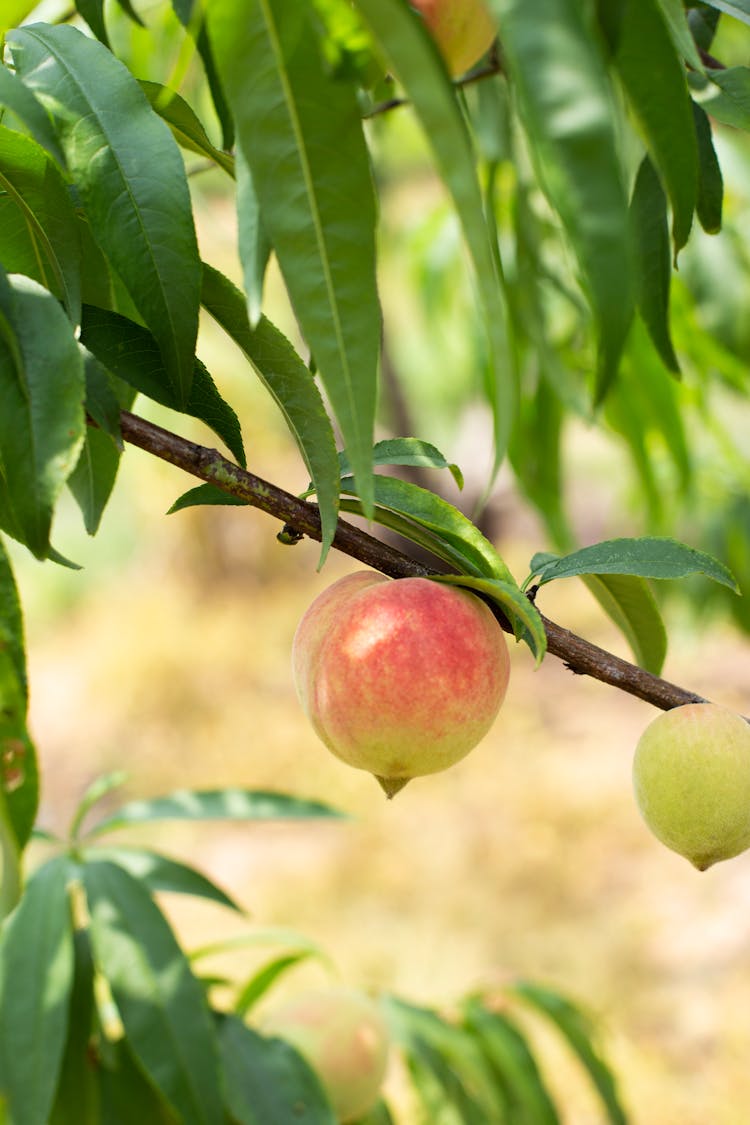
[343, 1036]
[463, 30]
[400, 678]
[692, 782]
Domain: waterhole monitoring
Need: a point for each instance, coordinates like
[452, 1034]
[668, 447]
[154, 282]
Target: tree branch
[301, 516]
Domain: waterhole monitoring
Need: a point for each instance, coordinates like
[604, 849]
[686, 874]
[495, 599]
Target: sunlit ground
[527, 859]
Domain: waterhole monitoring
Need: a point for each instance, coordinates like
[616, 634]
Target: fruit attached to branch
[400, 678]
[692, 782]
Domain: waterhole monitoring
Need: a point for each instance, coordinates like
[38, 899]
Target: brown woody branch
[302, 517]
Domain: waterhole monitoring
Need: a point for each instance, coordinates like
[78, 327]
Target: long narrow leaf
[292, 386]
[649, 557]
[440, 518]
[184, 123]
[409, 47]
[710, 181]
[18, 98]
[129, 173]
[42, 420]
[160, 1002]
[215, 804]
[160, 873]
[36, 977]
[576, 1028]
[132, 353]
[268, 1082]
[298, 127]
[76, 1099]
[655, 81]
[648, 210]
[629, 602]
[511, 1057]
[566, 103]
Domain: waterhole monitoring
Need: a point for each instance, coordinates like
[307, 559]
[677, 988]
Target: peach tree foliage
[579, 157]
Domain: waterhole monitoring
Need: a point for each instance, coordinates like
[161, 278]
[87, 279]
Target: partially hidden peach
[692, 782]
[463, 30]
[401, 678]
[343, 1036]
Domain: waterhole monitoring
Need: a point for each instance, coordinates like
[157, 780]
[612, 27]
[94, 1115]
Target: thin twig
[478, 74]
[302, 517]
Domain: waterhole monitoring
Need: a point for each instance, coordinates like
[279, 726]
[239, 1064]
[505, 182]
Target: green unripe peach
[463, 30]
[343, 1036]
[692, 782]
[400, 678]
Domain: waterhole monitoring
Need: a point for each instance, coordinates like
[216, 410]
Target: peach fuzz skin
[462, 29]
[399, 678]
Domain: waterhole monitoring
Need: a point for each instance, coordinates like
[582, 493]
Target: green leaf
[215, 804]
[205, 494]
[405, 451]
[378, 1115]
[268, 935]
[259, 983]
[655, 82]
[93, 478]
[185, 125]
[291, 385]
[33, 184]
[298, 126]
[649, 557]
[143, 222]
[453, 1057]
[254, 244]
[161, 1004]
[92, 12]
[190, 15]
[510, 1056]
[267, 1081]
[629, 602]
[76, 1098]
[523, 616]
[566, 104]
[648, 210]
[710, 181]
[105, 397]
[19, 777]
[450, 534]
[99, 788]
[133, 354]
[19, 100]
[727, 96]
[740, 9]
[36, 977]
[125, 1095]
[577, 1029]
[160, 873]
[676, 20]
[11, 621]
[42, 420]
[406, 43]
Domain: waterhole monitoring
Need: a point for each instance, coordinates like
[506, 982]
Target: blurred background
[168, 656]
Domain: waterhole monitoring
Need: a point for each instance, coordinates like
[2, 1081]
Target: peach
[401, 678]
[692, 782]
[343, 1036]
[463, 30]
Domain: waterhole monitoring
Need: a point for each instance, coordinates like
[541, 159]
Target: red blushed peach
[463, 30]
[343, 1036]
[400, 678]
